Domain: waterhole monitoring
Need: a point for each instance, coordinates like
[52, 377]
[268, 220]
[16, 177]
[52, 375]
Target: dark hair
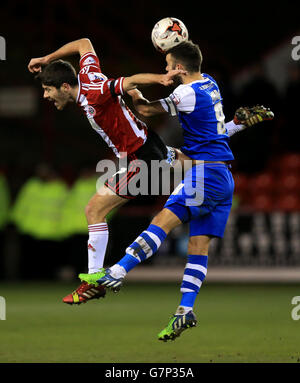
[188, 54]
[56, 73]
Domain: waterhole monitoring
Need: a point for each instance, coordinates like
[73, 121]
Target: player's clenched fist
[168, 78]
[35, 64]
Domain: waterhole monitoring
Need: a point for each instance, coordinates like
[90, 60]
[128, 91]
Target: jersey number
[220, 118]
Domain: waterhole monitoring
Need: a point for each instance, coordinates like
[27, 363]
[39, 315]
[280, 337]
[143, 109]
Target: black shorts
[153, 149]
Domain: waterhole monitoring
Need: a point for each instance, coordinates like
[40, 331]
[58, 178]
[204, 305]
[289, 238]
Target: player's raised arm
[80, 47]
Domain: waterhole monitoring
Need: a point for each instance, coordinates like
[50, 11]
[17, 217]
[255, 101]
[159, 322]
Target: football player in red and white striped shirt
[100, 98]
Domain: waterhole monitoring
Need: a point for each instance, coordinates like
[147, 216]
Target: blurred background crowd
[48, 158]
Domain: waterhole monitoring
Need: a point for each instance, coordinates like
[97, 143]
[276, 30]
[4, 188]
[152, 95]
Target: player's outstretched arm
[80, 47]
[144, 79]
[143, 106]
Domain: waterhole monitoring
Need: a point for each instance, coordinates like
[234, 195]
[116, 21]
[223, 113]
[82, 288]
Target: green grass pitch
[236, 323]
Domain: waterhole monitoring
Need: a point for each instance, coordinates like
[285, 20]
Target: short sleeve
[98, 87]
[89, 59]
[90, 71]
[183, 99]
[116, 86]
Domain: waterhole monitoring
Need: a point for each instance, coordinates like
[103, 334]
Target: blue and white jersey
[200, 112]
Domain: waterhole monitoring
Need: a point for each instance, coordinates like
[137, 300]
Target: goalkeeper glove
[250, 116]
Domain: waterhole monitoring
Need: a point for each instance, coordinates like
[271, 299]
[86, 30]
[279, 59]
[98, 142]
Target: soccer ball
[168, 33]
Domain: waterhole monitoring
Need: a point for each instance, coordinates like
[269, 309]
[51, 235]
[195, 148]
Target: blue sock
[143, 247]
[194, 274]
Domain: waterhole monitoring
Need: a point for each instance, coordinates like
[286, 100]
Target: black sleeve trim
[112, 88]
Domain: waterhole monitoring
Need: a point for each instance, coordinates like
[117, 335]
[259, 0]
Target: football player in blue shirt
[204, 197]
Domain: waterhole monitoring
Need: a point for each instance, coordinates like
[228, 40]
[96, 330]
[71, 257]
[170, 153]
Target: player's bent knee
[166, 220]
[199, 245]
[96, 209]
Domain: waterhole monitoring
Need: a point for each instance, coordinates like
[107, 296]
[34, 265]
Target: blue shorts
[204, 199]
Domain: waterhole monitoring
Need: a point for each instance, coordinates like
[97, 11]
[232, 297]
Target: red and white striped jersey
[105, 109]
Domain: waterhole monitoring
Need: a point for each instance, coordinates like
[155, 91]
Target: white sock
[97, 243]
[117, 271]
[181, 310]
